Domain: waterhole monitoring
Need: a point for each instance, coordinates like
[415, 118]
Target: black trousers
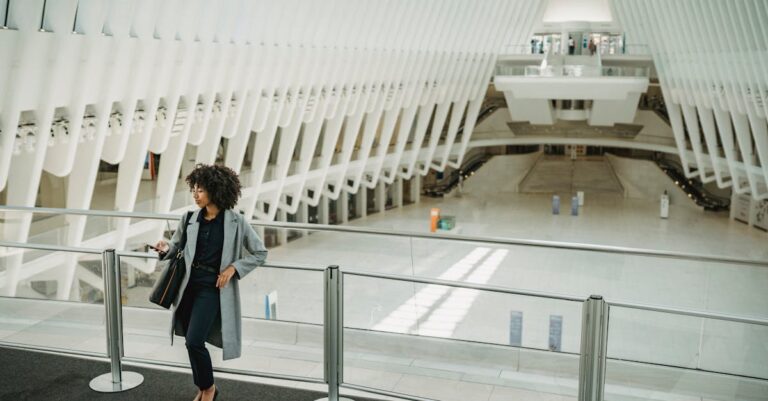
[199, 309]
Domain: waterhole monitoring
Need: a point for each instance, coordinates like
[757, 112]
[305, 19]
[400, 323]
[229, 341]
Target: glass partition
[451, 343]
[576, 71]
[718, 287]
[42, 311]
[282, 311]
[654, 355]
[349, 250]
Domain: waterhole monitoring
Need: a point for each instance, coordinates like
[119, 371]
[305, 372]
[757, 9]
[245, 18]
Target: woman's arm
[254, 246]
[173, 244]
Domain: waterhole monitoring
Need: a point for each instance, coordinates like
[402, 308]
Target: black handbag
[167, 287]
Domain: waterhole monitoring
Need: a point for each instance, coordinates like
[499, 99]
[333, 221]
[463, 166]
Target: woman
[209, 306]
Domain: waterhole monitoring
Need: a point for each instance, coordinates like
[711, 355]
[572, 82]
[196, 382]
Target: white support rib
[692, 125]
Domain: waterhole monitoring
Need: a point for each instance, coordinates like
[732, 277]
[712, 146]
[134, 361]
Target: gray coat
[238, 234]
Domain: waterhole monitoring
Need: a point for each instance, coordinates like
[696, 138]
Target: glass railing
[519, 50]
[282, 311]
[576, 71]
[603, 49]
[678, 352]
[449, 310]
[447, 340]
[637, 50]
[422, 338]
[65, 324]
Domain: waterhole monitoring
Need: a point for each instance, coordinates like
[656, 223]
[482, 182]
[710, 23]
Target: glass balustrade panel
[282, 317]
[351, 251]
[451, 343]
[661, 356]
[719, 287]
[52, 299]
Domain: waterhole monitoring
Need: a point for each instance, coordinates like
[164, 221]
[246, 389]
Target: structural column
[322, 210]
[381, 197]
[361, 197]
[416, 188]
[342, 208]
[303, 217]
[282, 233]
[398, 196]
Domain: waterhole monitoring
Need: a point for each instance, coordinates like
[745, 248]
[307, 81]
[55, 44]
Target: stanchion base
[104, 384]
[340, 399]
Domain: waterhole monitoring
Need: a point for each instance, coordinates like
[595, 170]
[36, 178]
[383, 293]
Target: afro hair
[221, 183]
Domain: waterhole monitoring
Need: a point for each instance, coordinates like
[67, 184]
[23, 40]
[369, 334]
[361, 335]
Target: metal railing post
[333, 330]
[116, 380]
[594, 341]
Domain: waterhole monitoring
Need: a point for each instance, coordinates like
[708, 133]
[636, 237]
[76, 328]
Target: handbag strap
[183, 243]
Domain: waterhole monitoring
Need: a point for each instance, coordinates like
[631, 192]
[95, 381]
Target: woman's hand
[225, 276]
[162, 246]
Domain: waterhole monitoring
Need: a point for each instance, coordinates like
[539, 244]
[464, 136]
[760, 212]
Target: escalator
[455, 177]
[468, 167]
[693, 187]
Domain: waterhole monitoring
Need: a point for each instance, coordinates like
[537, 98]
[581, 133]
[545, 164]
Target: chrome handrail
[272, 265]
[689, 312]
[46, 247]
[87, 212]
[460, 284]
[450, 237]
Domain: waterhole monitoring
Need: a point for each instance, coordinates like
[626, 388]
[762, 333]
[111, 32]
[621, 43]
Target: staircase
[560, 175]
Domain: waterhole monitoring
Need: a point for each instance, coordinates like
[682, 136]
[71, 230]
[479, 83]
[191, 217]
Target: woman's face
[201, 196]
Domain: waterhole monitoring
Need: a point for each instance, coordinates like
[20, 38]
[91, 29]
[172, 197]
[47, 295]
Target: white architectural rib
[722, 91]
[398, 97]
[725, 127]
[372, 112]
[707, 119]
[707, 103]
[413, 88]
[289, 137]
[692, 124]
[355, 115]
[701, 86]
[469, 75]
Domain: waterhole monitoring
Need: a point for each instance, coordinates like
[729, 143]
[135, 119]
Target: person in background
[209, 306]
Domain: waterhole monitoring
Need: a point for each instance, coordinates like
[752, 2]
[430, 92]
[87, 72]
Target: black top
[210, 240]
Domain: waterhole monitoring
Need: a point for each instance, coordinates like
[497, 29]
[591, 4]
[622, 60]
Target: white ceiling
[578, 10]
